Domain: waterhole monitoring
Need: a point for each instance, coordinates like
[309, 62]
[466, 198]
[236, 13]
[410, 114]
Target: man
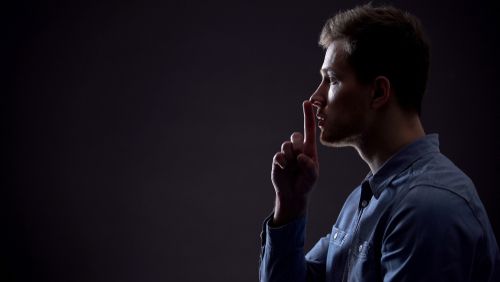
[416, 216]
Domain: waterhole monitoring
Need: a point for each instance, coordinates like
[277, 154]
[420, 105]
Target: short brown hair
[384, 41]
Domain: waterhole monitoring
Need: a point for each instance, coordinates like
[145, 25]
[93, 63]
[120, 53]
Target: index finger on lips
[309, 130]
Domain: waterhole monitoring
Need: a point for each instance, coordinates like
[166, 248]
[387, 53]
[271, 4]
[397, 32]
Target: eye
[333, 80]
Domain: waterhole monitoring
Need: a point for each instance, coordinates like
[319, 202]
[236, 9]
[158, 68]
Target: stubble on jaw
[330, 141]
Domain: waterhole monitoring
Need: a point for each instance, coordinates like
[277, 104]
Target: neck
[388, 138]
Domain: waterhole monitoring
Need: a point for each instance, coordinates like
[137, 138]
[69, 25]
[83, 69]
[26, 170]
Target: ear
[382, 92]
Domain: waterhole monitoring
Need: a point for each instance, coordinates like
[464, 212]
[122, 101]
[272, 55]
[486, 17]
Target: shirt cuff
[286, 237]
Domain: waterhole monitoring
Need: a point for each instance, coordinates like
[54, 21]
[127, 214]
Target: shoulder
[428, 215]
[434, 193]
[435, 184]
[435, 213]
[434, 201]
[439, 171]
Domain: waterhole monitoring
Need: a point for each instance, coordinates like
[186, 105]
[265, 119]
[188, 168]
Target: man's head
[375, 57]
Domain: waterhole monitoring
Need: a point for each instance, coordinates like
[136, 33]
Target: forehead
[335, 57]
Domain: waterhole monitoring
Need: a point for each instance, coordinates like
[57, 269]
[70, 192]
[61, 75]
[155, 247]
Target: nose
[318, 98]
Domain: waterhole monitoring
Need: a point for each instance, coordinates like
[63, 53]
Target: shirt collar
[400, 161]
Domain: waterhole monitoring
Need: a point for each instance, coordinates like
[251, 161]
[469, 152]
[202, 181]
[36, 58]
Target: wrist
[287, 209]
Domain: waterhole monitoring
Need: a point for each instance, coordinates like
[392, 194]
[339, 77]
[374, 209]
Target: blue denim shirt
[419, 218]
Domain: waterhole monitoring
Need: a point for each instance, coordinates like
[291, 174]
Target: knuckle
[285, 145]
[280, 160]
[279, 157]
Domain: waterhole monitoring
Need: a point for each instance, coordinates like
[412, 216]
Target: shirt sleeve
[431, 236]
[282, 253]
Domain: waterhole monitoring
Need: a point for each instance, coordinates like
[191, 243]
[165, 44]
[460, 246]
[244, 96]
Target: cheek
[332, 93]
[344, 103]
[340, 99]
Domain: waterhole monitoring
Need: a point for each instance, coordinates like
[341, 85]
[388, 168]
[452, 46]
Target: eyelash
[332, 81]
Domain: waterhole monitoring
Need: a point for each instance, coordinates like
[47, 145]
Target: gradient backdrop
[141, 133]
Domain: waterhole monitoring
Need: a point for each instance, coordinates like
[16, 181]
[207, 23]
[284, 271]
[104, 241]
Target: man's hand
[295, 170]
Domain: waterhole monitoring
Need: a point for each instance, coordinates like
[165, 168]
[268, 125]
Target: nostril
[316, 104]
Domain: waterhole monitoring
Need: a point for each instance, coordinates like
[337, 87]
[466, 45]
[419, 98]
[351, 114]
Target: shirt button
[335, 235]
[364, 203]
[360, 248]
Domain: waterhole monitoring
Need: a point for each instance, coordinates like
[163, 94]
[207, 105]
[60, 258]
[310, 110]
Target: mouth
[321, 121]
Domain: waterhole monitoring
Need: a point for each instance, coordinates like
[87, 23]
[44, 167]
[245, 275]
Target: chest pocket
[337, 237]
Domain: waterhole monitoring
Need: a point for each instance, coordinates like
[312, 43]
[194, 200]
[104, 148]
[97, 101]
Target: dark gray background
[141, 134]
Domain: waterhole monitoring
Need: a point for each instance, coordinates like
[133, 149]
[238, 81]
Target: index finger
[309, 130]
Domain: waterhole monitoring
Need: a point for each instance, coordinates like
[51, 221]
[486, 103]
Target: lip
[321, 119]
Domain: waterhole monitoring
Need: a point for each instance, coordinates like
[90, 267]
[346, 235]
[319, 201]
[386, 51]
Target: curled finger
[298, 142]
[287, 149]
[279, 160]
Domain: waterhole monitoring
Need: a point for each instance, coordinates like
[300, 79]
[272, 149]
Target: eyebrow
[324, 72]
